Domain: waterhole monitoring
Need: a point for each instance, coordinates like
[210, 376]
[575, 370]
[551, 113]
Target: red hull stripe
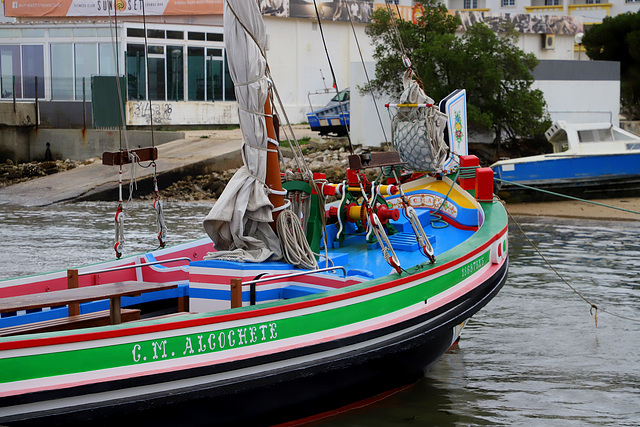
[150, 329]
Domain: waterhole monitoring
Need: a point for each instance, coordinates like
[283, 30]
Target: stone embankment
[328, 156]
[11, 173]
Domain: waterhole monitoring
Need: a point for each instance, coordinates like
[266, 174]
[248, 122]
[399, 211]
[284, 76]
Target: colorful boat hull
[267, 363]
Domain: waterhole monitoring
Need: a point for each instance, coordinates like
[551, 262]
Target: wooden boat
[589, 160]
[264, 339]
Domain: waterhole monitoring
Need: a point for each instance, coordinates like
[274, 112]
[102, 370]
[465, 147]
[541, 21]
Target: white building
[187, 79]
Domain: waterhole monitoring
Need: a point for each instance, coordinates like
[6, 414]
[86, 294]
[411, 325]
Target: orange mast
[272, 179]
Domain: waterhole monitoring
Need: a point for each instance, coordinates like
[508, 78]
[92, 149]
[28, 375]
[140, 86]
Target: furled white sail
[239, 221]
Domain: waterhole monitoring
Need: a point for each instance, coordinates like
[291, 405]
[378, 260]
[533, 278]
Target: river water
[534, 356]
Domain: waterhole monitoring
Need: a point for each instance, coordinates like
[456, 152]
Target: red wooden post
[236, 293]
[72, 283]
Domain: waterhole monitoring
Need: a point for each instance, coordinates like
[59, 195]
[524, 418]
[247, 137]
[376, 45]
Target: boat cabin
[590, 138]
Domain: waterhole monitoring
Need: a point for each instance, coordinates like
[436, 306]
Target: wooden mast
[272, 179]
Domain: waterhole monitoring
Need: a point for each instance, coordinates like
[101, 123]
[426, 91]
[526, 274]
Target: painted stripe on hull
[270, 368]
[352, 326]
[128, 330]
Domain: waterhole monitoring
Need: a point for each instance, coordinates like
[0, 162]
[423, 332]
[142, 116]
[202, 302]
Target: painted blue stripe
[93, 306]
[271, 294]
[54, 313]
[295, 291]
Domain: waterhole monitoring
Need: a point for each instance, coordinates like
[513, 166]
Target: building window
[156, 74]
[196, 77]
[229, 91]
[551, 2]
[175, 73]
[10, 68]
[86, 65]
[215, 74]
[470, 4]
[107, 59]
[215, 37]
[209, 77]
[62, 71]
[136, 72]
[32, 68]
[508, 3]
[594, 1]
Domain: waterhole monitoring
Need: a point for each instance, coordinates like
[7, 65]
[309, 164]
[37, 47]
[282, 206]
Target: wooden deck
[73, 296]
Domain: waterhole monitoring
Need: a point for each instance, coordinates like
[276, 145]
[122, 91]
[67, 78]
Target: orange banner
[92, 8]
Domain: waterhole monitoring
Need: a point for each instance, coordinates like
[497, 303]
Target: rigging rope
[416, 226]
[566, 196]
[396, 31]
[374, 225]
[366, 73]
[333, 74]
[146, 56]
[119, 217]
[161, 228]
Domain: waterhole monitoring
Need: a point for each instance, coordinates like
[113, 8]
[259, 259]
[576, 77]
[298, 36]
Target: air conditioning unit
[548, 41]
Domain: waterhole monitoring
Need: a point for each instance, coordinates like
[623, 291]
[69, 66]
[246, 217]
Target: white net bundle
[418, 133]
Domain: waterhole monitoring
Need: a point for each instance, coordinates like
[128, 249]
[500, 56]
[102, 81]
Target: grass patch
[301, 141]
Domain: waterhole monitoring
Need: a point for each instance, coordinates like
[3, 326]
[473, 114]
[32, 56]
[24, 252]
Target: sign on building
[105, 8]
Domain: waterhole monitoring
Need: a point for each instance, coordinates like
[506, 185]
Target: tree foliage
[618, 39]
[496, 74]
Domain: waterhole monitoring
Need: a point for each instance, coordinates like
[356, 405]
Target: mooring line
[594, 308]
[565, 196]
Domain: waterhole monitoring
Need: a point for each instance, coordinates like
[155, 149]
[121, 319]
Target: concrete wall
[298, 62]
[366, 127]
[24, 114]
[65, 114]
[580, 91]
[167, 113]
[23, 145]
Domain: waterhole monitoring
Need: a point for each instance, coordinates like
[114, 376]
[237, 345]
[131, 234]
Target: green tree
[496, 74]
[618, 39]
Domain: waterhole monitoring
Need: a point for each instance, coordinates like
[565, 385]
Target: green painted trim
[139, 352]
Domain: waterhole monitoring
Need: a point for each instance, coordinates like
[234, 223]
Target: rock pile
[11, 173]
[328, 156]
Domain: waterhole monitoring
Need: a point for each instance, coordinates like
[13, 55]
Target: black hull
[339, 130]
[400, 355]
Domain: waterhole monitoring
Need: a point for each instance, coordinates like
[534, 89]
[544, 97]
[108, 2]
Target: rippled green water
[532, 357]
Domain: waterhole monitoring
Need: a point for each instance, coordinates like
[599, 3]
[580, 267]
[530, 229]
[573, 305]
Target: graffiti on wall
[142, 111]
[338, 10]
[523, 23]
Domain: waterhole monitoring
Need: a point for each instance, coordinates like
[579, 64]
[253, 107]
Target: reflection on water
[41, 239]
[533, 356]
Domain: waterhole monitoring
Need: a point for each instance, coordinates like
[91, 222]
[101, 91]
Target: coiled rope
[295, 247]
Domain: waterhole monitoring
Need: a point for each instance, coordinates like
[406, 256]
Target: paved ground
[576, 209]
[200, 151]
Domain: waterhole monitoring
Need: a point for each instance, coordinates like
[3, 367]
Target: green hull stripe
[83, 360]
[140, 352]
